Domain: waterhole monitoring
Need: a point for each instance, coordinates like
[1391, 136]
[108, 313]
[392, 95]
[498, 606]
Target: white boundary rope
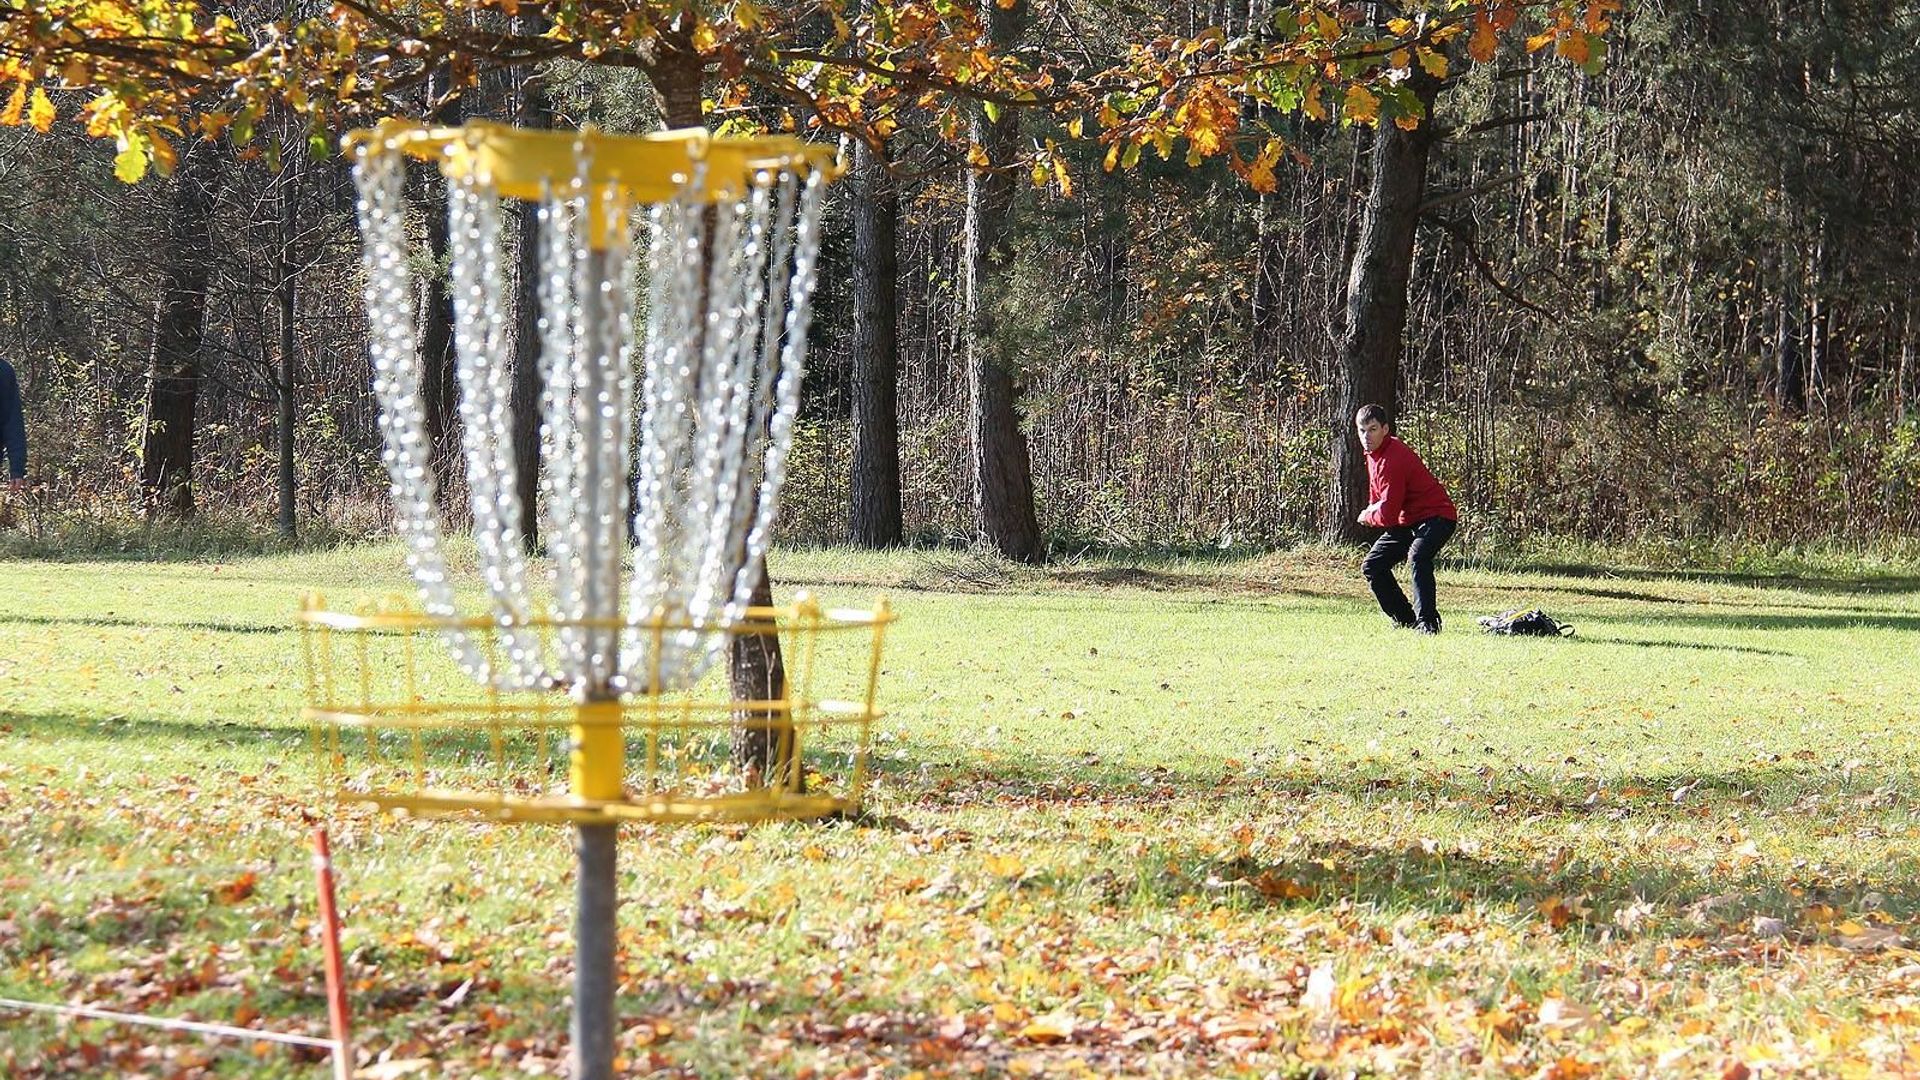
[172, 1025]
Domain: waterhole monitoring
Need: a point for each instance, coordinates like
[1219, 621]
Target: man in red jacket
[1404, 499]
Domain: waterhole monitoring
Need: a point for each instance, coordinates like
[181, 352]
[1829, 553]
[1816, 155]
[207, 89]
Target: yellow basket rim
[765, 804]
[634, 713]
[756, 620]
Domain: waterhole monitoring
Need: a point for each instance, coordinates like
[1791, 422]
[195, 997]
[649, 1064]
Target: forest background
[1665, 298]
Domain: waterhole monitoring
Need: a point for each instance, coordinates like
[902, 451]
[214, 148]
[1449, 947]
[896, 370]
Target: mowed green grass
[1202, 817]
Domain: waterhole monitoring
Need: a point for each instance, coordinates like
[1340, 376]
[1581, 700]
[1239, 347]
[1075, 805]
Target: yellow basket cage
[394, 723]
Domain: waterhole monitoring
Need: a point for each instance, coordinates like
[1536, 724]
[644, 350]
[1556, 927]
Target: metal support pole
[595, 892]
[597, 768]
[595, 774]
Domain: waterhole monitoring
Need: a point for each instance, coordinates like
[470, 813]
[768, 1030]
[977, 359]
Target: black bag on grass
[1531, 622]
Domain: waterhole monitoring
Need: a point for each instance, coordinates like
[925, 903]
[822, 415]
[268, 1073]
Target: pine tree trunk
[289, 358]
[876, 353]
[1265, 317]
[1003, 510]
[436, 336]
[676, 77]
[1376, 310]
[1790, 372]
[534, 111]
[173, 383]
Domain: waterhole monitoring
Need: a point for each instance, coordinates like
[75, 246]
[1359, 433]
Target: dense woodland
[1668, 297]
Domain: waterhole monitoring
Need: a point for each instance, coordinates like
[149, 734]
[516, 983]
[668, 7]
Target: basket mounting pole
[597, 765]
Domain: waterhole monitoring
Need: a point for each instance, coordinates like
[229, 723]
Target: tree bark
[876, 519]
[1265, 322]
[1376, 309]
[1790, 372]
[289, 359]
[173, 382]
[533, 111]
[1003, 510]
[436, 336]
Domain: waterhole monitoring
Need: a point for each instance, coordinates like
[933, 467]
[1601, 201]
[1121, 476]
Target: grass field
[1202, 817]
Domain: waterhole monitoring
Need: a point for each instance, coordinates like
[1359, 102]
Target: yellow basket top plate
[524, 163]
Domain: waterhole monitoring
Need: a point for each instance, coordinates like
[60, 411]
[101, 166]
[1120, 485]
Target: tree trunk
[436, 331]
[289, 360]
[1269, 259]
[677, 78]
[756, 670]
[1790, 373]
[1376, 310]
[1003, 511]
[533, 111]
[876, 353]
[173, 383]
[436, 336]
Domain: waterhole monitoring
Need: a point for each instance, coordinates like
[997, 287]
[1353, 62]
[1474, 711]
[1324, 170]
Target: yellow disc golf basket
[673, 277]
[394, 724]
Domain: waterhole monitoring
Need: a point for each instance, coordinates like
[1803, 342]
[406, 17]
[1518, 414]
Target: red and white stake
[336, 970]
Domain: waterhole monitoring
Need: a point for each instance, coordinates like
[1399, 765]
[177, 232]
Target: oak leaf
[1053, 1027]
[1362, 105]
[239, 888]
[40, 113]
[393, 1070]
[130, 164]
[1004, 865]
[1311, 104]
[1484, 42]
[1569, 1067]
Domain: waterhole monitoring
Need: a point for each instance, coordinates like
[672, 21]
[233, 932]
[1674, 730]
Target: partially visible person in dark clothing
[1404, 499]
[13, 429]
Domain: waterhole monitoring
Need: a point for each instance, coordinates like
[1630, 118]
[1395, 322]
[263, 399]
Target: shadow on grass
[1526, 852]
[1632, 891]
[1598, 594]
[1496, 787]
[1718, 614]
[1532, 822]
[1133, 577]
[1841, 620]
[1718, 602]
[116, 622]
[1645, 643]
[1847, 586]
[123, 729]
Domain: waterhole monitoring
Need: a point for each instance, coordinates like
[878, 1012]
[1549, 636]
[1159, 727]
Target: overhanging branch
[1464, 194]
[1463, 232]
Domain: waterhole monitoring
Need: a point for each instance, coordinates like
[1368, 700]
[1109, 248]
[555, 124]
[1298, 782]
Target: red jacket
[1400, 490]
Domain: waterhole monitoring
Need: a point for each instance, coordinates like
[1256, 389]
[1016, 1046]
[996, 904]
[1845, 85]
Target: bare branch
[1464, 194]
[1463, 232]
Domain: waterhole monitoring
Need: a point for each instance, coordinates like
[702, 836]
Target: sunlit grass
[1126, 809]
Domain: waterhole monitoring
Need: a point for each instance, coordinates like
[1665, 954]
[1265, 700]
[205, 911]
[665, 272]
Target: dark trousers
[1417, 544]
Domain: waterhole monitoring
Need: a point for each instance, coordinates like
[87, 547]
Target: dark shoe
[1428, 628]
